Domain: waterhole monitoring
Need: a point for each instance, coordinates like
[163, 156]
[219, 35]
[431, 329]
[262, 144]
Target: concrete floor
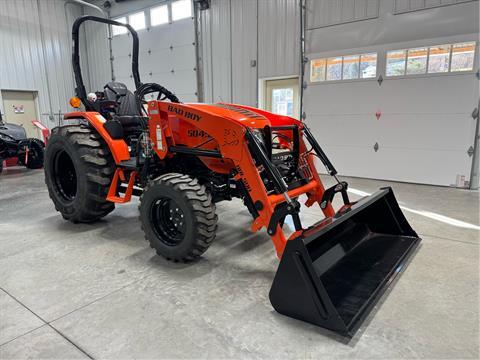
[79, 291]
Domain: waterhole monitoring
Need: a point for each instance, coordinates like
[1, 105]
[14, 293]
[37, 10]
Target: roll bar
[80, 89]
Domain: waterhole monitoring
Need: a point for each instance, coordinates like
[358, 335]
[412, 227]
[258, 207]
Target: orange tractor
[181, 159]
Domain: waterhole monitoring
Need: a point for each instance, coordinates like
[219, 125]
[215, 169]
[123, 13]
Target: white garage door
[413, 128]
[167, 53]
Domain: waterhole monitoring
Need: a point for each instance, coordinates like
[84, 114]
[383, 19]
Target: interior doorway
[281, 96]
[20, 108]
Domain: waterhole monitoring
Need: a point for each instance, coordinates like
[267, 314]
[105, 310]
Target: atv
[14, 143]
[181, 159]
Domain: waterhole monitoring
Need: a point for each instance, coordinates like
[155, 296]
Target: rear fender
[118, 147]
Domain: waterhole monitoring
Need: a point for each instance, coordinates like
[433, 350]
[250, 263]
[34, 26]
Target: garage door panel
[121, 45]
[438, 131]
[184, 57]
[167, 57]
[355, 97]
[122, 67]
[429, 165]
[156, 61]
[354, 130]
[183, 32]
[389, 164]
[433, 94]
[180, 82]
[156, 38]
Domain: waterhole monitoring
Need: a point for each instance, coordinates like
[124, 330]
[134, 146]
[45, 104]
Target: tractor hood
[245, 115]
[234, 112]
[15, 131]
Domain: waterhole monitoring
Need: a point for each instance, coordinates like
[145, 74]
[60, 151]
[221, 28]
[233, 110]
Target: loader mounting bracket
[329, 194]
[281, 211]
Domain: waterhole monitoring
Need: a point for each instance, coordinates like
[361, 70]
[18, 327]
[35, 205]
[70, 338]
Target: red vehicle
[181, 159]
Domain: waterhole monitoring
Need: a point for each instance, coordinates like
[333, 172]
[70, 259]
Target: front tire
[78, 171]
[178, 217]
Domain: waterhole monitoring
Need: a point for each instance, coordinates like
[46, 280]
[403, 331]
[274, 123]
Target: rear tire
[78, 171]
[178, 217]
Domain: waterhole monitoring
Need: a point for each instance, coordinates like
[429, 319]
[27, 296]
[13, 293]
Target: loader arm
[235, 142]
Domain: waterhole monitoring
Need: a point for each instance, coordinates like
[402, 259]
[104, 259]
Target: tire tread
[203, 212]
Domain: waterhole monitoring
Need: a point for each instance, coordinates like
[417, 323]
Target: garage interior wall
[246, 40]
[425, 127]
[167, 51]
[35, 53]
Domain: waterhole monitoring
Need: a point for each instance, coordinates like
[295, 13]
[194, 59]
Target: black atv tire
[36, 154]
[1, 165]
[78, 171]
[178, 217]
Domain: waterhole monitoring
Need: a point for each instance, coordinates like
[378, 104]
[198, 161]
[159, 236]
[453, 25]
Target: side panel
[229, 134]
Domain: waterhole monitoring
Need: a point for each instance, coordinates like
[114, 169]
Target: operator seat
[127, 112]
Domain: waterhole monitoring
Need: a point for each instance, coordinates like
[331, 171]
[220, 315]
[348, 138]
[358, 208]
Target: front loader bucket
[333, 274]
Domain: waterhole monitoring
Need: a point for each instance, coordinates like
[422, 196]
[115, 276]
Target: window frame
[192, 9]
[167, 4]
[434, 74]
[146, 27]
[343, 56]
[148, 17]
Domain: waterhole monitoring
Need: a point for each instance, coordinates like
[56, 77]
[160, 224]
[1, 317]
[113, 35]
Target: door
[20, 109]
[282, 97]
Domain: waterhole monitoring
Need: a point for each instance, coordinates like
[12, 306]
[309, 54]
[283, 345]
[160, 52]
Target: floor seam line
[449, 239]
[19, 336]
[96, 300]
[46, 323]
[71, 342]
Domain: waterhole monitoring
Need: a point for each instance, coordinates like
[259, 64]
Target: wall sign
[18, 109]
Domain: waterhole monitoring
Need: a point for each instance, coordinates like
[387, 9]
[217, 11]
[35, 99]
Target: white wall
[425, 128]
[244, 41]
[35, 52]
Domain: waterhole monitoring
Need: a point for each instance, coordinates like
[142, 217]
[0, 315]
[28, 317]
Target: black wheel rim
[168, 221]
[32, 153]
[65, 176]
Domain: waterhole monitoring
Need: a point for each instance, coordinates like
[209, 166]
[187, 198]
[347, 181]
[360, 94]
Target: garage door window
[348, 67]
[181, 9]
[137, 20]
[433, 60]
[396, 62]
[119, 30]
[439, 58]
[417, 61]
[351, 67]
[317, 70]
[368, 66]
[159, 15]
[463, 56]
[334, 68]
